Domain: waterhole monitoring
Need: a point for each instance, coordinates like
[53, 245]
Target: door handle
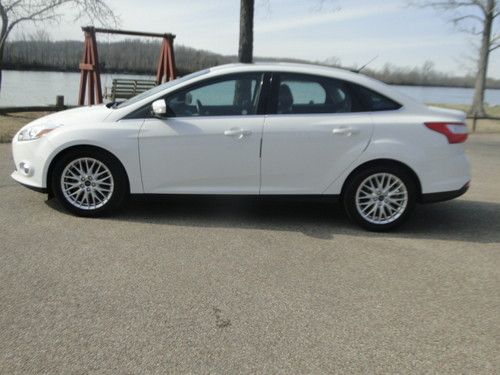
[237, 132]
[344, 130]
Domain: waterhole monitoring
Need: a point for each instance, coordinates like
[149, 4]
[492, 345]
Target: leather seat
[285, 99]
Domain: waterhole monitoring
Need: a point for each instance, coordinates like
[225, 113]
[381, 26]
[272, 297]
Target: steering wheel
[199, 106]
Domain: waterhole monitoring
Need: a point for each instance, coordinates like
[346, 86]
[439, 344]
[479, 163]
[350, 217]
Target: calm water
[21, 88]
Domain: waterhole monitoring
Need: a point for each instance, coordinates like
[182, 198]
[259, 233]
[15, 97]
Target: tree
[15, 12]
[469, 15]
[245, 51]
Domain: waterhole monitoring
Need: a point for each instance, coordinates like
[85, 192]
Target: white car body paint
[301, 154]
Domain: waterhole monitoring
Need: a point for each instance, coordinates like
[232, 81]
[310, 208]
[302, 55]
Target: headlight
[35, 131]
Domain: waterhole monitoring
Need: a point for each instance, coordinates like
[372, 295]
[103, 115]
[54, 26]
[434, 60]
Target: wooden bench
[127, 88]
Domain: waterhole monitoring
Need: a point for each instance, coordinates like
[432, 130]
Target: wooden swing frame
[90, 75]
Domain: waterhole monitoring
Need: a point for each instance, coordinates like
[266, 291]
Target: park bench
[126, 88]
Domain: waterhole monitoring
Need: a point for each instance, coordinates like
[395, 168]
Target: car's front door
[209, 141]
[311, 135]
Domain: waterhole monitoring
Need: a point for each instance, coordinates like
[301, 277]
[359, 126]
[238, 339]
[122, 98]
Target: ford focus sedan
[252, 129]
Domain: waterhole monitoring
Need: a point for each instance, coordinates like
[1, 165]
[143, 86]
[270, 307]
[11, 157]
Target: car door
[312, 133]
[209, 140]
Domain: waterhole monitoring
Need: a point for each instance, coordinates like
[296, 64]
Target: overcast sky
[353, 31]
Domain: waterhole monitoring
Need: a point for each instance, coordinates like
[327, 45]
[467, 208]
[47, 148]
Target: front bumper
[33, 154]
[27, 183]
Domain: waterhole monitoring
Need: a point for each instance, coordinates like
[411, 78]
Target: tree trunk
[245, 51]
[2, 45]
[477, 108]
[3, 37]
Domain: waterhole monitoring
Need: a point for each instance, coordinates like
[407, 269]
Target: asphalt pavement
[229, 285]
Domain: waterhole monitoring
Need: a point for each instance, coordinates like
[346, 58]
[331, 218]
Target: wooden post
[59, 102]
[166, 62]
[90, 72]
[474, 122]
[90, 77]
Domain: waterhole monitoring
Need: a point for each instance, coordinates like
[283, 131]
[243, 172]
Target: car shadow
[457, 220]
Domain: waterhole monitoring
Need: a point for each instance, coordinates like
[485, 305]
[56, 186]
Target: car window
[308, 94]
[372, 101]
[234, 95]
[301, 94]
[160, 88]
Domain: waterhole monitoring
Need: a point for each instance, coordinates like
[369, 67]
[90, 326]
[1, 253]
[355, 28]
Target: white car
[252, 129]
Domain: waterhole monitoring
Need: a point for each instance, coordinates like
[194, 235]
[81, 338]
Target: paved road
[226, 286]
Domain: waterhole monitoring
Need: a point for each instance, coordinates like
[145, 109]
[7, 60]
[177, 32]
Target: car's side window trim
[260, 90]
[272, 102]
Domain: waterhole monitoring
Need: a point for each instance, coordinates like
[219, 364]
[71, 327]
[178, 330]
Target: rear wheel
[380, 198]
[89, 182]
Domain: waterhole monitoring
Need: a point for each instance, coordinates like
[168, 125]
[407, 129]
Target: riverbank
[491, 111]
[11, 123]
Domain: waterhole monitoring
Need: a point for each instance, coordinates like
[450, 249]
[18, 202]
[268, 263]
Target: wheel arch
[384, 162]
[81, 147]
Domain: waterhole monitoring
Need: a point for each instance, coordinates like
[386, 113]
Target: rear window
[371, 101]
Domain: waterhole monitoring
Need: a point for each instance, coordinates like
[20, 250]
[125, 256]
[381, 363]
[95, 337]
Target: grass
[482, 126]
[493, 111]
[11, 123]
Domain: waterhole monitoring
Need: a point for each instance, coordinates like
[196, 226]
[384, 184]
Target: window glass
[161, 87]
[373, 101]
[235, 95]
[306, 92]
[301, 94]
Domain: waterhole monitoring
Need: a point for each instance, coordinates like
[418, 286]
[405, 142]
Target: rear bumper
[444, 195]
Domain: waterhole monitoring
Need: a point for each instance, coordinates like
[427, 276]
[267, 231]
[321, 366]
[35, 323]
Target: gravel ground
[199, 285]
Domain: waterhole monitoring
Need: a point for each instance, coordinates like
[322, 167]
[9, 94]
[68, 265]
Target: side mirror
[159, 108]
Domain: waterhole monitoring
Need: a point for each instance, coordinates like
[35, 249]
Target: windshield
[160, 88]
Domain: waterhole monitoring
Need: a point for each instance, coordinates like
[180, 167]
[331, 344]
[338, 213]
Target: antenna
[364, 66]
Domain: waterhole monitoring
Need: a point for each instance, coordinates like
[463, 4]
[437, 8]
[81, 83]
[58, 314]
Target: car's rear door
[311, 134]
[209, 142]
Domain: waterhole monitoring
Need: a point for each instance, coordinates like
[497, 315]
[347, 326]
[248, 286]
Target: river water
[24, 88]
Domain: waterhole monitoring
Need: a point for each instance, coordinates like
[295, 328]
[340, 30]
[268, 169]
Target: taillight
[455, 132]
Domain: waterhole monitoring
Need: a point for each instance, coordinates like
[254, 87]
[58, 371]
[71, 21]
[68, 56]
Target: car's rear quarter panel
[403, 137]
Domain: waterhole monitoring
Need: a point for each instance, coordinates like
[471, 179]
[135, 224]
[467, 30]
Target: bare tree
[476, 17]
[245, 51]
[15, 12]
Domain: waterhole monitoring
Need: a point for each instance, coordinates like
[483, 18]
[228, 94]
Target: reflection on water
[21, 88]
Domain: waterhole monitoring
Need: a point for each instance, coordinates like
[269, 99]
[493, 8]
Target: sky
[354, 32]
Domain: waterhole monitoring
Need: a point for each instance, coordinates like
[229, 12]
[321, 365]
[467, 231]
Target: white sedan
[252, 129]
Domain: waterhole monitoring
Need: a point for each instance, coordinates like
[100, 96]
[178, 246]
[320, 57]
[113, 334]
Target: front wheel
[380, 198]
[89, 182]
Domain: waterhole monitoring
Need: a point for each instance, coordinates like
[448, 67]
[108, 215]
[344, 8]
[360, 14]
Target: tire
[380, 198]
[89, 182]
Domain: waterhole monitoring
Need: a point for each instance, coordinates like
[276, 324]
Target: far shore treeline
[140, 57]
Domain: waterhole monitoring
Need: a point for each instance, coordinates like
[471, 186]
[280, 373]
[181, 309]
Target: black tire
[110, 201]
[401, 214]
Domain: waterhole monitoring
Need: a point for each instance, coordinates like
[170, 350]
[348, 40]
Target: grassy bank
[10, 124]
[493, 111]
[482, 126]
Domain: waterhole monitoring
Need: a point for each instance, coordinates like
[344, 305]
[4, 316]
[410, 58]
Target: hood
[92, 114]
